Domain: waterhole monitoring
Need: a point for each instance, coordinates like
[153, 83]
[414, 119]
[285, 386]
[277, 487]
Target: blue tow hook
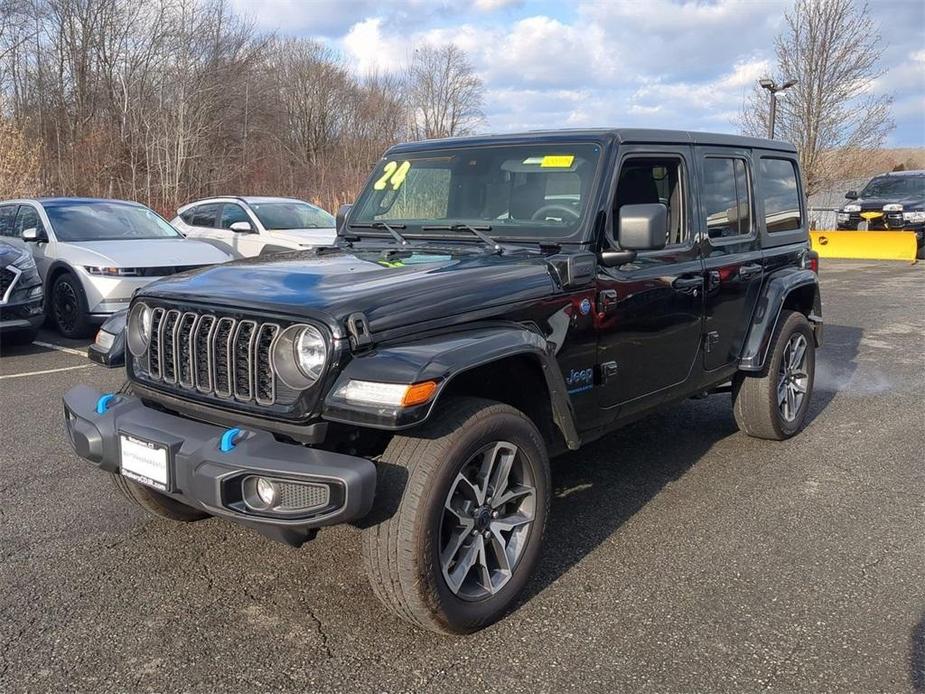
[228, 439]
[103, 403]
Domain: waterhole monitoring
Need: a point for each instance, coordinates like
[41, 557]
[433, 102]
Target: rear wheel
[774, 403]
[467, 499]
[69, 307]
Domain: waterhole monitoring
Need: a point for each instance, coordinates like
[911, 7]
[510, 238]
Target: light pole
[773, 89]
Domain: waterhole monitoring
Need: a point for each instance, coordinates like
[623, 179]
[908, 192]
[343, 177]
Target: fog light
[266, 491]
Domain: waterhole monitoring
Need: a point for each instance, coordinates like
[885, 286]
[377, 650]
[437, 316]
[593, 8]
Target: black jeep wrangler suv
[490, 302]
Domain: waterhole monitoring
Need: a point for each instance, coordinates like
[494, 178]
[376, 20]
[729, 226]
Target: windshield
[894, 186]
[536, 190]
[75, 221]
[281, 216]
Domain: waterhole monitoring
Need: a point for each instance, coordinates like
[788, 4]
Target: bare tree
[443, 92]
[831, 48]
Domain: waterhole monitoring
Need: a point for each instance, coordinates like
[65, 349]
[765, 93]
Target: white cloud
[658, 63]
[494, 5]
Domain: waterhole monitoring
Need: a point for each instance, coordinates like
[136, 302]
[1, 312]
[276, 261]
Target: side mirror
[341, 217]
[242, 227]
[33, 235]
[851, 195]
[642, 228]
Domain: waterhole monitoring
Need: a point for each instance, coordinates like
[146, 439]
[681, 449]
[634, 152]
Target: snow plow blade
[865, 245]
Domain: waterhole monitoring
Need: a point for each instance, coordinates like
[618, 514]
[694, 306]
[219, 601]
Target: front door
[732, 253]
[650, 310]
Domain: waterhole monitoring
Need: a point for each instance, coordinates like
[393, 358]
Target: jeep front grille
[227, 358]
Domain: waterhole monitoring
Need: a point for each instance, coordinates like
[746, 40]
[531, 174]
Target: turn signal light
[419, 393]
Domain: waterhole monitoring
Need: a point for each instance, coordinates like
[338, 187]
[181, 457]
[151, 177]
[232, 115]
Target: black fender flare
[767, 312]
[442, 358]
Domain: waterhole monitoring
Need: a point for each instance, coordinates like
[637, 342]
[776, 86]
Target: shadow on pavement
[917, 657]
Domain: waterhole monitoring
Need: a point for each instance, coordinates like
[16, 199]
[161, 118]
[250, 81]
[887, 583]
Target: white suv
[251, 226]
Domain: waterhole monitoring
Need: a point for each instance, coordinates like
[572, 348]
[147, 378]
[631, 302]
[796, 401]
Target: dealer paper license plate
[144, 462]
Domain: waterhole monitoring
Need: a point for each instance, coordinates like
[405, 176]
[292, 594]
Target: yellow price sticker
[393, 173]
[557, 161]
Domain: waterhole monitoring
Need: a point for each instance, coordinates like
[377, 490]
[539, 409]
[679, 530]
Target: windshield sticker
[392, 173]
[557, 161]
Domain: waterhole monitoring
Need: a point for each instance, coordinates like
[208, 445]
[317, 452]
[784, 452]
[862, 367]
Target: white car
[251, 226]
[93, 254]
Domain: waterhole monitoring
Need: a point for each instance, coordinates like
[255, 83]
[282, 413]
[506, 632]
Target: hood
[909, 202]
[306, 237]
[9, 253]
[391, 293]
[142, 253]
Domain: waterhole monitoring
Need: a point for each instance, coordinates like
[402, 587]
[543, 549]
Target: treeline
[166, 101]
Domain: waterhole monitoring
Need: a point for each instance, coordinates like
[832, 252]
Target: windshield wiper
[391, 228]
[478, 231]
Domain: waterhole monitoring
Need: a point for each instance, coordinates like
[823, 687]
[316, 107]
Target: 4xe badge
[579, 380]
[585, 306]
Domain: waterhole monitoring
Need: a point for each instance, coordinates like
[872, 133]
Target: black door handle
[687, 282]
[749, 270]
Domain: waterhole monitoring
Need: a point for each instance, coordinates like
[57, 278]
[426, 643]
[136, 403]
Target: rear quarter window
[781, 195]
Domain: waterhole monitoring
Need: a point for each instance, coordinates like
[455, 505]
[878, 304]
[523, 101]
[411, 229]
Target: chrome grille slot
[154, 349]
[167, 335]
[221, 357]
[264, 379]
[217, 356]
[243, 355]
[184, 349]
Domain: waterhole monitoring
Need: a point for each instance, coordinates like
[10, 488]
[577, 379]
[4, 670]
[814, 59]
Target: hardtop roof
[619, 135]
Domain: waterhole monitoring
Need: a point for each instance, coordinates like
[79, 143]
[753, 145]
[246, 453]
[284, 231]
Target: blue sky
[645, 63]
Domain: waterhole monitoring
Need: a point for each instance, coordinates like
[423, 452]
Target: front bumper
[28, 315]
[205, 477]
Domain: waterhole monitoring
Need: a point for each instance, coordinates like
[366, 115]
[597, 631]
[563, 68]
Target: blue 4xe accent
[103, 403]
[228, 440]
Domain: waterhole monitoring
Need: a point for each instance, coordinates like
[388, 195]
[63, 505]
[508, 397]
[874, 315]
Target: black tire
[418, 473]
[156, 503]
[756, 405]
[68, 307]
[921, 253]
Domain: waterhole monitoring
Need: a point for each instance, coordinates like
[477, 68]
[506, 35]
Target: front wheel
[69, 307]
[467, 497]
[774, 403]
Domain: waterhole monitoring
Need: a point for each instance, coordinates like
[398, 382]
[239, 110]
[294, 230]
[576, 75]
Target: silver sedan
[93, 254]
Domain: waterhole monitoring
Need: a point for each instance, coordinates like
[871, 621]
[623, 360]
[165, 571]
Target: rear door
[650, 310]
[201, 223]
[731, 251]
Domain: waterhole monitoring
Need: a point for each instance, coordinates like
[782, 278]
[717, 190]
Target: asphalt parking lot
[681, 555]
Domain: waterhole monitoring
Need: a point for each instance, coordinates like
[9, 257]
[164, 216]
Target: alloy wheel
[66, 306]
[793, 378]
[487, 519]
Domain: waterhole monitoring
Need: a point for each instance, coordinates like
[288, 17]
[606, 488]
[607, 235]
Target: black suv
[21, 295]
[894, 201]
[490, 302]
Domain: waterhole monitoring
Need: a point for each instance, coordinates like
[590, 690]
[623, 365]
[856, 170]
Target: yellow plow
[865, 245]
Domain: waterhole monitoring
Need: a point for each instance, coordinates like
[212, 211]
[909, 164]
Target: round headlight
[138, 329]
[310, 352]
[299, 356]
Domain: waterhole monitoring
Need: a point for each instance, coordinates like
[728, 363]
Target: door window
[648, 180]
[7, 217]
[232, 213]
[27, 218]
[726, 200]
[202, 215]
[781, 195]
